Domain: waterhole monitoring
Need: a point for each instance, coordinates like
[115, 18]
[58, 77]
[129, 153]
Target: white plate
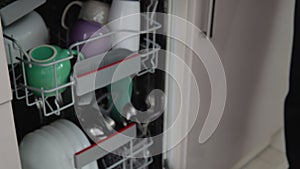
[59, 138]
[57, 147]
[77, 131]
[81, 137]
[67, 133]
[37, 152]
[55, 136]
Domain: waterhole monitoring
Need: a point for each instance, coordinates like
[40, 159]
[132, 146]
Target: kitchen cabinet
[254, 40]
[9, 156]
[5, 89]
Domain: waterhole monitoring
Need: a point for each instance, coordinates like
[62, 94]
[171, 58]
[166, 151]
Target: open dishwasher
[114, 141]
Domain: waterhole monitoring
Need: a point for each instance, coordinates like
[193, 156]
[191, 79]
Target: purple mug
[83, 30]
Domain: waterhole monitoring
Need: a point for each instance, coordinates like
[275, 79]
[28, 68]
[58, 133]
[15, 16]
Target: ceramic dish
[81, 138]
[59, 137]
[53, 147]
[77, 131]
[44, 76]
[37, 152]
[62, 143]
[59, 148]
[72, 141]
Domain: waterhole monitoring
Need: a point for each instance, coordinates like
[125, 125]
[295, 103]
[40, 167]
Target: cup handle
[63, 24]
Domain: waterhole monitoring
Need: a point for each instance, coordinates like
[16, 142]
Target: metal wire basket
[117, 151]
[147, 62]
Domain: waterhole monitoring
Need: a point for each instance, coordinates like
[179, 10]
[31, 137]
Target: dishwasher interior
[87, 103]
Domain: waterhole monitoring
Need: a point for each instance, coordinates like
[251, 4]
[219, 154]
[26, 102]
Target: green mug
[43, 77]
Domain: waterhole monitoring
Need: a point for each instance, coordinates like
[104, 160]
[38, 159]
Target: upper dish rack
[144, 61]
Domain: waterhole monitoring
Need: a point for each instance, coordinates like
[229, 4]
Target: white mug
[29, 31]
[90, 10]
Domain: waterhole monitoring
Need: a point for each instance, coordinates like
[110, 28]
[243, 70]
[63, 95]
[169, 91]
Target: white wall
[253, 38]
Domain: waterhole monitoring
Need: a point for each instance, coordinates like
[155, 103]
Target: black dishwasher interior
[28, 118]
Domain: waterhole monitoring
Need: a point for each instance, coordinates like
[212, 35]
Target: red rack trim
[101, 141]
[109, 65]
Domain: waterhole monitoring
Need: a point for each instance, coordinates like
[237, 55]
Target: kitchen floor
[273, 157]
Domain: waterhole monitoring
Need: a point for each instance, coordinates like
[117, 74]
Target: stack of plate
[53, 147]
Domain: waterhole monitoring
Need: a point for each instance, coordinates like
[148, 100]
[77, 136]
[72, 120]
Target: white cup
[125, 14]
[90, 10]
[29, 31]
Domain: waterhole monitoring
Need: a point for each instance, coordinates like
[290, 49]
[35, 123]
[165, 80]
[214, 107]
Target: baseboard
[252, 154]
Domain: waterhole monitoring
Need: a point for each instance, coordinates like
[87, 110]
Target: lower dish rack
[121, 150]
